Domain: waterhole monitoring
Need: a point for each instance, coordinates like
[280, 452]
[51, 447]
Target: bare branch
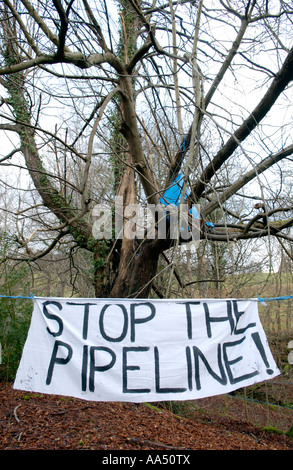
[10, 155]
[278, 85]
[41, 23]
[246, 178]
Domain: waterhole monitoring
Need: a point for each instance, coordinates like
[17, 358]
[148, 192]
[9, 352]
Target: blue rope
[268, 299]
[17, 296]
[257, 401]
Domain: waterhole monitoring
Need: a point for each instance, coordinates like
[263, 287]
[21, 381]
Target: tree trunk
[132, 263]
[126, 246]
[143, 269]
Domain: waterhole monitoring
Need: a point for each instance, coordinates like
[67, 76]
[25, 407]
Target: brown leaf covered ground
[31, 421]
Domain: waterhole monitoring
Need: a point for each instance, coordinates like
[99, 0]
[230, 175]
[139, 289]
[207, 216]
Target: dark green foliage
[15, 314]
[289, 433]
[13, 333]
[127, 41]
[272, 429]
[125, 50]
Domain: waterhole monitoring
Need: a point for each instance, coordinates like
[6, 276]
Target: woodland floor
[30, 421]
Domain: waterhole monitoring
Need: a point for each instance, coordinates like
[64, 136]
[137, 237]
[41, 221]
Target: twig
[15, 415]
[62, 412]
[136, 440]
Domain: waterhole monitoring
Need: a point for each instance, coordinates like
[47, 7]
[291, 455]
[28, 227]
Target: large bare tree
[125, 99]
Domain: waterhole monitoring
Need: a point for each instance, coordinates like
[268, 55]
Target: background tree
[118, 99]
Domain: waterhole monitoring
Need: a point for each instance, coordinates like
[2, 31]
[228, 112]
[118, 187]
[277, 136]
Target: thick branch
[10, 155]
[138, 55]
[279, 83]
[40, 22]
[76, 58]
[131, 133]
[249, 176]
[50, 196]
[28, 64]
[63, 25]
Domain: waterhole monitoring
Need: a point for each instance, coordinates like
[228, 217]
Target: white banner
[144, 350]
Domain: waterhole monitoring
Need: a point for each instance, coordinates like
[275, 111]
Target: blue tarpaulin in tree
[172, 197]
